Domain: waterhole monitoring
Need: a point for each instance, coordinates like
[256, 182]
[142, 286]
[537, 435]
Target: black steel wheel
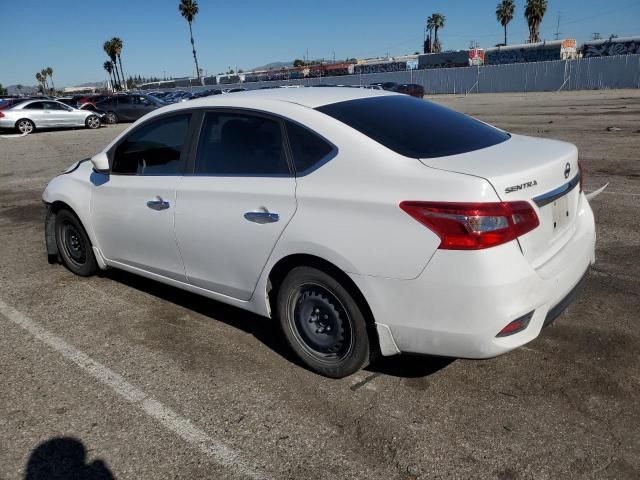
[74, 245]
[322, 323]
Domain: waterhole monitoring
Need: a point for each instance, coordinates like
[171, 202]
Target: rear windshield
[415, 128]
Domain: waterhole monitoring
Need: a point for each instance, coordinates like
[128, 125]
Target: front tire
[25, 126]
[92, 122]
[322, 323]
[74, 245]
[111, 118]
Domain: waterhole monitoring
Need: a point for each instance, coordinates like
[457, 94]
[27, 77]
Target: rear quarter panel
[348, 209]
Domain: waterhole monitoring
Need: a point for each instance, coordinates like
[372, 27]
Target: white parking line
[168, 418]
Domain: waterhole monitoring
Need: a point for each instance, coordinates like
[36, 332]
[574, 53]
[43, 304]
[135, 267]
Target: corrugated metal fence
[583, 74]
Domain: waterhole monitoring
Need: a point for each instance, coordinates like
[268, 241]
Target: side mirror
[100, 162]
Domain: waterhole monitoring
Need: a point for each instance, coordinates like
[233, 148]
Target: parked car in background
[27, 116]
[10, 102]
[128, 107]
[91, 98]
[412, 89]
[72, 102]
[389, 86]
[363, 221]
[234, 90]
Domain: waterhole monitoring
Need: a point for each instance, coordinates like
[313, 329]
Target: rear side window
[154, 149]
[309, 150]
[241, 145]
[34, 106]
[415, 128]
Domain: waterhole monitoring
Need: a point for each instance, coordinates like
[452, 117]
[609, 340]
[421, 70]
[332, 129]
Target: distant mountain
[273, 66]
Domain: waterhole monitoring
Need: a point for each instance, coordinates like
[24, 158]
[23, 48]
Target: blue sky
[68, 35]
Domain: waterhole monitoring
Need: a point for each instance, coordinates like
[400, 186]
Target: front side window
[124, 99]
[154, 149]
[241, 145]
[415, 128]
[308, 149]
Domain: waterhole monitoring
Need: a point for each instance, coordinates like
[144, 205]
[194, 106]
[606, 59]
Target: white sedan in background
[40, 114]
[365, 222]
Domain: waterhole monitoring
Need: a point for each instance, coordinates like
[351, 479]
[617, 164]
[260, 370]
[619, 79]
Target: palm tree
[108, 66]
[438, 23]
[111, 53]
[534, 12]
[49, 71]
[504, 14]
[40, 82]
[189, 9]
[117, 48]
[430, 27]
[43, 74]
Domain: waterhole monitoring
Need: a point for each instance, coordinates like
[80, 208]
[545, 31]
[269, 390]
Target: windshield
[415, 128]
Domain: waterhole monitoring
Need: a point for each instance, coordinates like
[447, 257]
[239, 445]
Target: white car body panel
[346, 212]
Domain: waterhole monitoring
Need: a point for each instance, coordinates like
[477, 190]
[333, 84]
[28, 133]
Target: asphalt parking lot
[139, 380]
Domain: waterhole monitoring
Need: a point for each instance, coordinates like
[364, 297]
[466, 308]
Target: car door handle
[158, 204]
[262, 217]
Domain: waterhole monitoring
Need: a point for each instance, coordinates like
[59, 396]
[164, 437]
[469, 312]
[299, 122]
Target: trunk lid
[543, 172]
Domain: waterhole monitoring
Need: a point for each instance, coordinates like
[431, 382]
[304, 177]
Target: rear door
[233, 208]
[125, 110]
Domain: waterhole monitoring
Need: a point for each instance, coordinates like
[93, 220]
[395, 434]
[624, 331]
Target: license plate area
[560, 214]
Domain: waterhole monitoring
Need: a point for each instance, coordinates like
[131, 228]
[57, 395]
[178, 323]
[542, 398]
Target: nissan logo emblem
[567, 170]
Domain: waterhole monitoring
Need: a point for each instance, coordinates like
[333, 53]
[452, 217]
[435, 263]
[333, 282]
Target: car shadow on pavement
[64, 458]
[267, 330]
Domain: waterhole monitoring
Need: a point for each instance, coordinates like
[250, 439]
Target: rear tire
[111, 118]
[92, 122]
[74, 245]
[25, 126]
[322, 323]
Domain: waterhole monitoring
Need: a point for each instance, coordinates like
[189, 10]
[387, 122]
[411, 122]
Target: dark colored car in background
[390, 86]
[412, 89]
[128, 107]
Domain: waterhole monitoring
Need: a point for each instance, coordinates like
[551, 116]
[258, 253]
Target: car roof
[307, 97]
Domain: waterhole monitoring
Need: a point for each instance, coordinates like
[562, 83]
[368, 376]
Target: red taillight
[580, 172]
[516, 326]
[473, 226]
[1, 114]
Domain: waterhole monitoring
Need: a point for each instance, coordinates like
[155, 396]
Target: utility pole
[334, 56]
[558, 33]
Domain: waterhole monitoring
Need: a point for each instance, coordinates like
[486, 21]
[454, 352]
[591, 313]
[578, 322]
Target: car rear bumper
[7, 123]
[463, 299]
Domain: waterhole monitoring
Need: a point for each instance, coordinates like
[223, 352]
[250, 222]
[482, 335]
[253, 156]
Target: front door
[234, 207]
[133, 208]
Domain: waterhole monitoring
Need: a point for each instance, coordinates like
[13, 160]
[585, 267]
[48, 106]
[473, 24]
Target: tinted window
[54, 106]
[308, 148]
[238, 144]
[124, 100]
[154, 149]
[34, 106]
[415, 128]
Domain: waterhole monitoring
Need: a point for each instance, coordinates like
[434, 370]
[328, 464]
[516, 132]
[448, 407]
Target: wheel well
[286, 264]
[20, 119]
[50, 228]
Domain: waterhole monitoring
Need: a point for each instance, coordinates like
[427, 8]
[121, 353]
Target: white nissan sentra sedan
[365, 222]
